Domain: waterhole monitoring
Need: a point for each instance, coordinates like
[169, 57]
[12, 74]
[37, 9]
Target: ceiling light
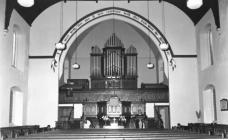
[26, 3]
[194, 4]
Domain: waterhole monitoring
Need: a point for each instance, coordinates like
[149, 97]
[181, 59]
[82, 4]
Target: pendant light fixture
[163, 46]
[76, 65]
[60, 46]
[149, 64]
[113, 5]
[26, 3]
[194, 4]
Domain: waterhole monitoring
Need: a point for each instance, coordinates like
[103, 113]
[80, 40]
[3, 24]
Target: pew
[16, 131]
[210, 129]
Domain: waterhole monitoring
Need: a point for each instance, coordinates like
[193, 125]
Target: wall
[216, 74]
[10, 76]
[183, 84]
[45, 32]
[43, 90]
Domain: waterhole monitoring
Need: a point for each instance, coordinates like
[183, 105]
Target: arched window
[14, 46]
[206, 47]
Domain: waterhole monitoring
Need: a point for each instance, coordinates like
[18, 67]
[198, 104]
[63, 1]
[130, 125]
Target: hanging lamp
[26, 3]
[163, 46]
[194, 4]
[149, 64]
[60, 46]
[76, 65]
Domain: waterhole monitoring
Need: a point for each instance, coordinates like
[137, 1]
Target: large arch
[109, 13]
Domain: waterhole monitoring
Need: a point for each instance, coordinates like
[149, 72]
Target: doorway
[16, 107]
[162, 113]
[209, 105]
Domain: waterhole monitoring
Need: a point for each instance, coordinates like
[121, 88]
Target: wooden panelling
[137, 108]
[65, 113]
[153, 95]
[90, 109]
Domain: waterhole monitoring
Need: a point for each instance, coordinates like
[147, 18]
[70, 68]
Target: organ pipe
[113, 61]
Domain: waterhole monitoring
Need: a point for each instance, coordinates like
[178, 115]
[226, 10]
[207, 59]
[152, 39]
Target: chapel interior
[129, 65]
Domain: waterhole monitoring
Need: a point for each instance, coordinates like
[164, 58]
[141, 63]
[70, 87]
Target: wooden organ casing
[113, 68]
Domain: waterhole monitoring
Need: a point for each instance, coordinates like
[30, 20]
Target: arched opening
[121, 14]
[209, 104]
[16, 107]
[112, 74]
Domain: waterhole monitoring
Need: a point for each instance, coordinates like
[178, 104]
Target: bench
[16, 131]
[211, 129]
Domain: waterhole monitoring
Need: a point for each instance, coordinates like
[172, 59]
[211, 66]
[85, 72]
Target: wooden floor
[116, 134]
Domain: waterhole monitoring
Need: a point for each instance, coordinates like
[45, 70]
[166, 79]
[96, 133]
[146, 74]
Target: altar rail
[16, 131]
[211, 129]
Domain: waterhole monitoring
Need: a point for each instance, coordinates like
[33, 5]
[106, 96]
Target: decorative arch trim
[118, 12]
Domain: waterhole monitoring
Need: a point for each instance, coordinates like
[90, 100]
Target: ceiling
[30, 14]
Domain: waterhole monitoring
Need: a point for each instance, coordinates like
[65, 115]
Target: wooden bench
[16, 131]
[221, 129]
[211, 129]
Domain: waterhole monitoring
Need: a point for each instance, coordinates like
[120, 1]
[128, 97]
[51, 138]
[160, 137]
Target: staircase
[117, 134]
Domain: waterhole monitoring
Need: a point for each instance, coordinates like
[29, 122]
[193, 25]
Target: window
[19, 48]
[210, 44]
[206, 47]
[14, 51]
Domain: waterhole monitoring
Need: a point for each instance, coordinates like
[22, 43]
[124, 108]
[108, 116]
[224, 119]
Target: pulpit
[114, 107]
[114, 111]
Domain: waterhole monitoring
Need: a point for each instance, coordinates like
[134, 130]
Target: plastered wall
[10, 76]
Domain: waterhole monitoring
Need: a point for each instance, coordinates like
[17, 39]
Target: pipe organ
[113, 68]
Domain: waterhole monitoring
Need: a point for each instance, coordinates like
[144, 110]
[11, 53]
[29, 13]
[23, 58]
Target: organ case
[113, 68]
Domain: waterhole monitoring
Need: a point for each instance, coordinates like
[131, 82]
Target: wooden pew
[16, 131]
[222, 130]
[211, 129]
